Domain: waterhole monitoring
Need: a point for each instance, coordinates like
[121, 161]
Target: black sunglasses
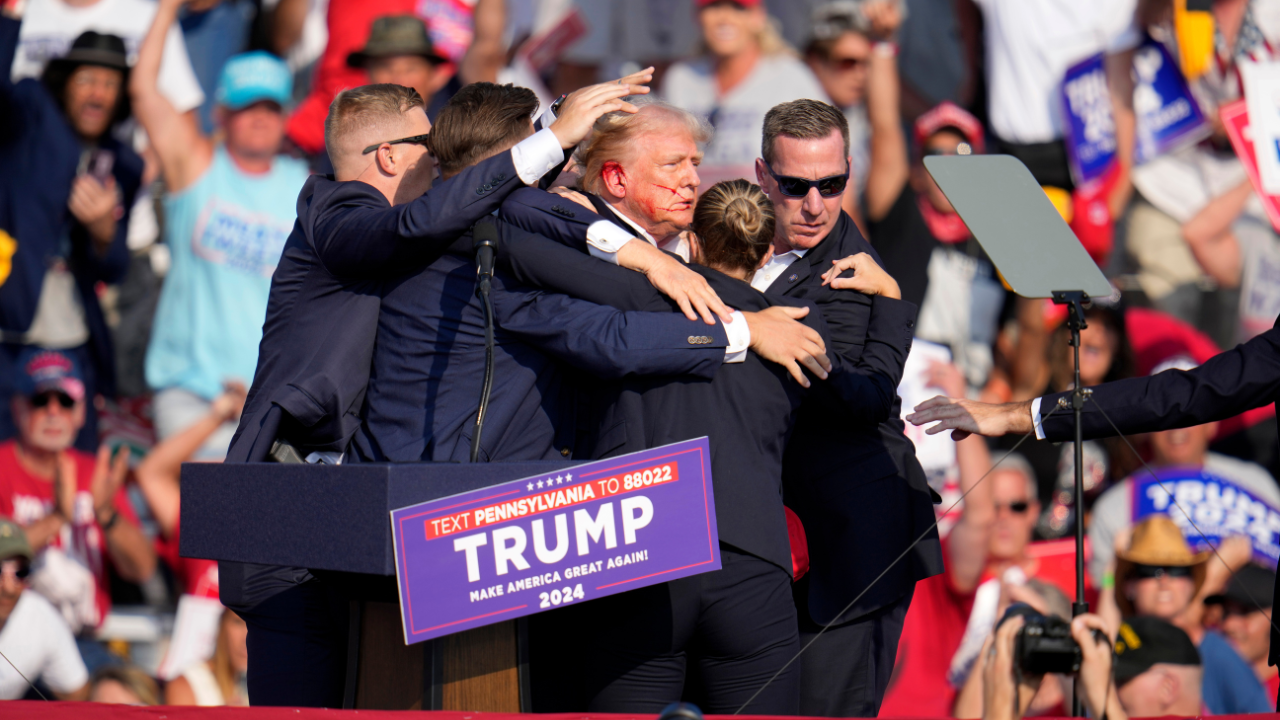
[423, 140]
[799, 187]
[44, 398]
[1150, 572]
[1017, 508]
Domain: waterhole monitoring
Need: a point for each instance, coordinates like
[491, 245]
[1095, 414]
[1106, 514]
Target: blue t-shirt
[1230, 687]
[225, 234]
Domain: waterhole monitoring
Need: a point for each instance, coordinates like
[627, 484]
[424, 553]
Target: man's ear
[762, 176]
[385, 157]
[615, 179]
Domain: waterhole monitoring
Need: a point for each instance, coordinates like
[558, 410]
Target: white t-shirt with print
[50, 26]
[37, 641]
[738, 117]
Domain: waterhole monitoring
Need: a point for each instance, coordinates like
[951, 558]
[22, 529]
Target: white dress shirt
[765, 276]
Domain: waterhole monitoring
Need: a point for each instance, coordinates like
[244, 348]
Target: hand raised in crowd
[946, 377]
[777, 336]
[1002, 698]
[969, 417]
[1094, 684]
[96, 205]
[230, 403]
[868, 277]
[108, 477]
[584, 106]
[884, 16]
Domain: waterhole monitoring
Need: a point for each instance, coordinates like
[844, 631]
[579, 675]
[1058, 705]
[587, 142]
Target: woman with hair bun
[738, 623]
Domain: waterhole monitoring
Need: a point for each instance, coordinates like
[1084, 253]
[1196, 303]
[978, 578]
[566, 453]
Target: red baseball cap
[740, 3]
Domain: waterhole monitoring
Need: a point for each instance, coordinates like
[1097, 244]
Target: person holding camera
[1013, 666]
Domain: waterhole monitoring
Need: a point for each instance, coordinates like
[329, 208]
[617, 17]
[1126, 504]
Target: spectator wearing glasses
[852, 41]
[69, 504]
[229, 207]
[33, 636]
[747, 68]
[1246, 620]
[1158, 576]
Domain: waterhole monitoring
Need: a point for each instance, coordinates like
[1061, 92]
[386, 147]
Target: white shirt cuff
[1035, 418]
[536, 155]
[604, 240]
[739, 338]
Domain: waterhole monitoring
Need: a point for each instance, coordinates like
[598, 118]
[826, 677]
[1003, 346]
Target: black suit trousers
[846, 671]
[629, 653]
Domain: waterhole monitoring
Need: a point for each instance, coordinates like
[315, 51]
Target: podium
[335, 521]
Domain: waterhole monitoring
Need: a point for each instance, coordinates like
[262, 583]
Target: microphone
[681, 711]
[484, 238]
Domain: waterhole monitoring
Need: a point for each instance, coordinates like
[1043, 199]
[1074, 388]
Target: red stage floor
[75, 711]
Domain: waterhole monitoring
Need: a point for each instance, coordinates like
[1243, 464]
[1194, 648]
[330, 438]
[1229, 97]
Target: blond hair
[613, 136]
[804, 120]
[734, 223]
[366, 110]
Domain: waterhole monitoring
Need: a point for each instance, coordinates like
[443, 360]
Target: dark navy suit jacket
[429, 361]
[322, 313]
[746, 410]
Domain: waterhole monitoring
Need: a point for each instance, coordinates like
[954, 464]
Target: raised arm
[185, 153]
[889, 167]
[487, 54]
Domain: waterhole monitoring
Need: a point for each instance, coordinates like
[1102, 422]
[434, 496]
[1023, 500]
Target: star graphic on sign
[559, 479]
[530, 486]
[539, 484]
[568, 478]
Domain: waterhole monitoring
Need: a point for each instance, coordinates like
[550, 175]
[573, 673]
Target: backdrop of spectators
[221, 679]
[1158, 576]
[1175, 188]
[229, 206]
[921, 239]
[69, 503]
[62, 198]
[123, 685]
[1029, 46]
[1183, 448]
[33, 636]
[746, 69]
[1157, 670]
[158, 478]
[621, 32]
[1043, 362]
[50, 26]
[1246, 620]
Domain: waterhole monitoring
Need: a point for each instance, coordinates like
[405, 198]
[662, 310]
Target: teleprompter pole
[1075, 300]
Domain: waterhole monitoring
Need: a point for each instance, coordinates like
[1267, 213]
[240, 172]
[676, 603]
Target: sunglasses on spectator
[44, 398]
[799, 187]
[1017, 507]
[845, 64]
[423, 140]
[19, 569]
[1151, 572]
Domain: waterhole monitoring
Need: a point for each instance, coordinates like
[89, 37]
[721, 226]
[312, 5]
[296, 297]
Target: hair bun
[743, 217]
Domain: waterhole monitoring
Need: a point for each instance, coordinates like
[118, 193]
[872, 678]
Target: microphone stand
[1075, 300]
[485, 233]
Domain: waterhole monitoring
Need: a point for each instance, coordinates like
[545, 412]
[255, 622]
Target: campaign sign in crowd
[1218, 508]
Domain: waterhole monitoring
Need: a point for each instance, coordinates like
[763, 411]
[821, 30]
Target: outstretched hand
[584, 106]
[969, 417]
[868, 277]
[778, 336]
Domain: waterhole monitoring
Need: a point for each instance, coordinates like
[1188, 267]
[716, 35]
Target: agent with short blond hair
[377, 217]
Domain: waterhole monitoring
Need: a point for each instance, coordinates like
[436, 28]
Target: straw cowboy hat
[1156, 541]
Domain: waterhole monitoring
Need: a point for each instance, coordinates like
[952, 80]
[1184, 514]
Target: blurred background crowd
[151, 154]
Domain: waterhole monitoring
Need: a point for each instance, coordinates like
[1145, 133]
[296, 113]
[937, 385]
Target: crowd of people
[171, 172]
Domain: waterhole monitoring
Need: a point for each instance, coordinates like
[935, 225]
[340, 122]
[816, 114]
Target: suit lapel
[607, 212]
[793, 277]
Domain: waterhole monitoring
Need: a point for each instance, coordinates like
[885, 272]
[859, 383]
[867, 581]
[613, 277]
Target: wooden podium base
[480, 670]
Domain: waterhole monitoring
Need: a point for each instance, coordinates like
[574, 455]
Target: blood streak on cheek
[673, 191]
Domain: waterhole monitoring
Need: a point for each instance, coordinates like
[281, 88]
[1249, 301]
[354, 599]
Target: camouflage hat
[13, 541]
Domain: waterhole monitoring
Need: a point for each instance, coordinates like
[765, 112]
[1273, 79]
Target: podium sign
[542, 542]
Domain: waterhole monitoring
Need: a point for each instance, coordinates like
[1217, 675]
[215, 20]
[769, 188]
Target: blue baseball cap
[250, 77]
[49, 370]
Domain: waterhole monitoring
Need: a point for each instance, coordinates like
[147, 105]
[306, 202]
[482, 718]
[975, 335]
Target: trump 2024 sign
[567, 537]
